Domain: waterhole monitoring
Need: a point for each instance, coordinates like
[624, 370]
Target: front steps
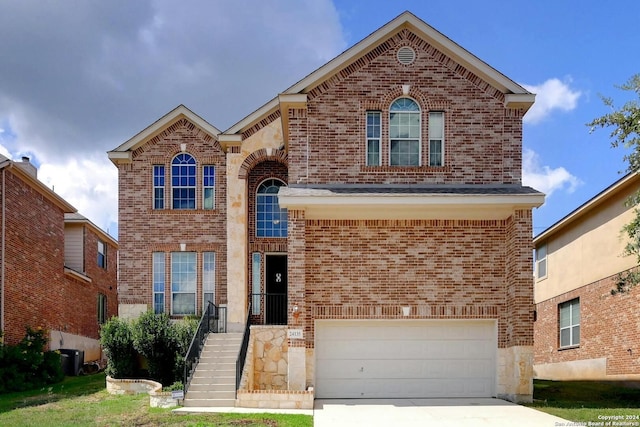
[214, 380]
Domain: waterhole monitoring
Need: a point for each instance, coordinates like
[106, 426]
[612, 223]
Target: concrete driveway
[428, 412]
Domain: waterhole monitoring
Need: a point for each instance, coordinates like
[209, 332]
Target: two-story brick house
[584, 331]
[58, 271]
[375, 207]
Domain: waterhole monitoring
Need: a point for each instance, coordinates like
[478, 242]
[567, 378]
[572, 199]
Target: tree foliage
[624, 123]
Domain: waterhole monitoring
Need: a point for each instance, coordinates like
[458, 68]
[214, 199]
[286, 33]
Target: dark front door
[276, 289]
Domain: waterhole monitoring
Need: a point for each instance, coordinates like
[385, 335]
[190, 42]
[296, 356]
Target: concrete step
[209, 403]
[214, 380]
[210, 394]
[215, 387]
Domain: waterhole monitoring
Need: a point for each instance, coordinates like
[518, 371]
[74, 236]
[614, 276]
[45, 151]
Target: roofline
[34, 182]
[97, 229]
[123, 152]
[524, 98]
[586, 207]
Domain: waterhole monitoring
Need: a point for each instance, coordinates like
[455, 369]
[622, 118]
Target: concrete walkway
[481, 412]
[429, 412]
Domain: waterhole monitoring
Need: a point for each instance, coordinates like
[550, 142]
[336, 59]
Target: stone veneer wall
[270, 357]
[264, 381]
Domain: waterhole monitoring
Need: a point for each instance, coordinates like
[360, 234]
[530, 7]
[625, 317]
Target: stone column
[236, 245]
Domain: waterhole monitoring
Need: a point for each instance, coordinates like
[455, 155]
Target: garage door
[405, 359]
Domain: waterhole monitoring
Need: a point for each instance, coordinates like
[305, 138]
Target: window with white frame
[271, 219]
[158, 187]
[183, 181]
[158, 282]
[436, 138]
[209, 187]
[541, 261]
[569, 323]
[183, 283]
[102, 254]
[404, 133]
[208, 279]
[373, 138]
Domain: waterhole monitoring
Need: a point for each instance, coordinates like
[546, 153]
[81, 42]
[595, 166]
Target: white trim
[122, 154]
[324, 204]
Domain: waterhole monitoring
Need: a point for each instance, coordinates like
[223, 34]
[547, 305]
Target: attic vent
[406, 55]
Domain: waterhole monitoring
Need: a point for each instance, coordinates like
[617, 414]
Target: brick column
[296, 292]
[515, 357]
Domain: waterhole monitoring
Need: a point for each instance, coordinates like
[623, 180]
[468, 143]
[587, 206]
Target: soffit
[410, 202]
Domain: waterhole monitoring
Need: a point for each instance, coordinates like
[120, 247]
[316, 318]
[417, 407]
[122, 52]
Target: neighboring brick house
[50, 275]
[583, 331]
[375, 207]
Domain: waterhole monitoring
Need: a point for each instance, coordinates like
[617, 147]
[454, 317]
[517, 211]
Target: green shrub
[117, 340]
[27, 366]
[155, 338]
[184, 331]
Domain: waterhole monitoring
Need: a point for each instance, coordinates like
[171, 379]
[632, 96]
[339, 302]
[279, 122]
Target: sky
[80, 77]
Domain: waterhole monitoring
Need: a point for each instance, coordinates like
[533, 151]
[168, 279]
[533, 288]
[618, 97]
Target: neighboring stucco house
[375, 209]
[58, 271]
[583, 331]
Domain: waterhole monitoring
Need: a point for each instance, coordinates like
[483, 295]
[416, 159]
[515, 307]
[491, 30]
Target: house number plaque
[294, 333]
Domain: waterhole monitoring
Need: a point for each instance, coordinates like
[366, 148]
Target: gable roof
[35, 183]
[76, 218]
[631, 179]
[122, 154]
[515, 95]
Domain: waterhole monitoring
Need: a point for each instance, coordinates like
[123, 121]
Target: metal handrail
[214, 319]
[242, 354]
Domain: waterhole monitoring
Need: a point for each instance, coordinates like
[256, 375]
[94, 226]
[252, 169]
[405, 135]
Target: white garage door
[405, 359]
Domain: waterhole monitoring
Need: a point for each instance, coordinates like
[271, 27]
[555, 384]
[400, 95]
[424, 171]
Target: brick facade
[609, 328]
[450, 259]
[145, 230]
[38, 292]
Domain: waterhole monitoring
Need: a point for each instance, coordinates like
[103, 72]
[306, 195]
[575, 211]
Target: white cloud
[551, 95]
[89, 184]
[544, 178]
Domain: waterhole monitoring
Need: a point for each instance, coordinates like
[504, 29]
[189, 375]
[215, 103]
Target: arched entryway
[267, 243]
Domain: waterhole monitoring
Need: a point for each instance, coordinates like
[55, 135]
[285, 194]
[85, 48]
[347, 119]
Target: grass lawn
[83, 401]
[588, 401]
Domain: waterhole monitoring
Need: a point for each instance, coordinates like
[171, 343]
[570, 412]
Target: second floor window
[158, 187]
[271, 220]
[209, 187]
[183, 181]
[541, 261]
[373, 138]
[436, 138]
[404, 133]
[102, 254]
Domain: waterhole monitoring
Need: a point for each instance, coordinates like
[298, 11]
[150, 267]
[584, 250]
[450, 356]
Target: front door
[276, 289]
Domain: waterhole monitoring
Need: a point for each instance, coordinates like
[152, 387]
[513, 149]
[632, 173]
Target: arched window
[183, 181]
[404, 133]
[271, 220]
